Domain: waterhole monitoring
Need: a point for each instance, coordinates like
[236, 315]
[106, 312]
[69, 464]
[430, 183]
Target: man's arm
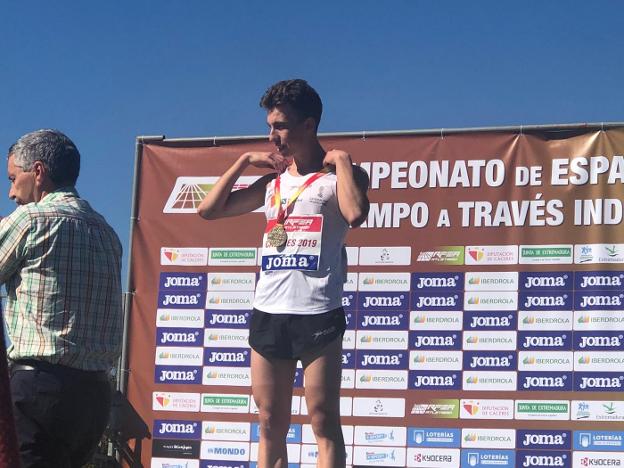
[14, 231]
[221, 202]
[351, 187]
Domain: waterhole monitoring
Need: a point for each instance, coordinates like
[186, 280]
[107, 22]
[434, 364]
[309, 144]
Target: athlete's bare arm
[351, 187]
[221, 202]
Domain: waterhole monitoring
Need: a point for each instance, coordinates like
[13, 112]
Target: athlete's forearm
[351, 192]
[215, 201]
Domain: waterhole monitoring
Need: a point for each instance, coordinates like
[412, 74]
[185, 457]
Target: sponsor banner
[223, 464]
[446, 255]
[550, 361]
[348, 340]
[295, 405]
[229, 300]
[599, 381]
[381, 379]
[226, 338]
[352, 282]
[230, 376]
[170, 256]
[175, 448]
[346, 406]
[605, 361]
[349, 303]
[179, 337]
[543, 439]
[598, 253]
[384, 282]
[180, 281]
[181, 299]
[599, 280]
[491, 255]
[380, 435]
[543, 458]
[546, 254]
[603, 410]
[433, 458]
[435, 360]
[437, 301]
[490, 381]
[350, 319]
[545, 381]
[393, 360]
[287, 262]
[487, 340]
[435, 340]
[226, 430]
[545, 341]
[437, 409]
[222, 403]
[379, 407]
[599, 341]
[539, 301]
[298, 380]
[383, 301]
[434, 437]
[308, 437]
[292, 437]
[543, 410]
[227, 256]
[373, 320]
[221, 450]
[599, 440]
[546, 281]
[309, 456]
[177, 375]
[598, 320]
[483, 320]
[228, 319]
[545, 320]
[598, 300]
[379, 456]
[488, 458]
[179, 356]
[491, 281]
[385, 256]
[436, 320]
[176, 429]
[437, 281]
[486, 409]
[597, 459]
[348, 359]
[488, 438]
[238, 357]
[157, 462]
[170, 318]
[171, 401]
[381, 339]
[491, 300]
[435, 380]
[231, 281]
[353, 256]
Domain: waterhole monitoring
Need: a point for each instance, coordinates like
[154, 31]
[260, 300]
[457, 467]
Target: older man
[60, 263]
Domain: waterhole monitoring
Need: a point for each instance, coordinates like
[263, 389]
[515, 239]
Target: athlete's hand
[267, 159]
[334, 156]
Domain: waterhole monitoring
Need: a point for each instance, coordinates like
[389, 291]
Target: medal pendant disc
[277, 236]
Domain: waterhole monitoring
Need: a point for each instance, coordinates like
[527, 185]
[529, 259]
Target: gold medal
[277, 236]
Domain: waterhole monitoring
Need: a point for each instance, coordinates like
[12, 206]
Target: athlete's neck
[307, 162]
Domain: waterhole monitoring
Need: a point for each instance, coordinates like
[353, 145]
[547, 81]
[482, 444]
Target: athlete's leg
[322, 393]
[271, 385]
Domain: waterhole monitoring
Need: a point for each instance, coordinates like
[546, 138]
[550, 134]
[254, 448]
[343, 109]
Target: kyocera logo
[381, 320]
[600, 342]
[543, 460]
[227, 357]
[436, 341]
[384, 301]
[177, 428]
[437, 282]
[545, 282]
[599, 281]
[179, 337]
[178, 375]
[437, 301]
[181, 299]
[228, 319]
[601, 301]
[491, 321]
[172, 282]
[541, 382]
[545, 301]
[601, 383]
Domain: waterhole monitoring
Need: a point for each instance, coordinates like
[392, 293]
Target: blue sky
[106, 72]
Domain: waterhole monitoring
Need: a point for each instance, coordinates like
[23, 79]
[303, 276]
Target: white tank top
[286, 288]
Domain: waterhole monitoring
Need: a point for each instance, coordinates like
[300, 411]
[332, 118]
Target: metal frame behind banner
[555, 131]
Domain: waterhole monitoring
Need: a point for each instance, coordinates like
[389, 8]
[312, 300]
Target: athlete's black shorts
[290, 336]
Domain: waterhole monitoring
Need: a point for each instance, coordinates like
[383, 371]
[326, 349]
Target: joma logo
[185, 376]
[180, 299]
[381, 320]
[382, 301]
[426, 283]
[544, 301]
[231, 319]
[600, 341]
[425, 301]
[544, 282]
[181, 282]
[226, 357]
[600, 382]
[601, 281]
[490, 322]
[171, 428]
[380, 360]
[544, 382]
[592, 301]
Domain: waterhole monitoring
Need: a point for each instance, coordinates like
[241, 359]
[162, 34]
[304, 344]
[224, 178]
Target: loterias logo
[543, 439]
[177, 429]
[543, 458]
[433, 437]
[487, 458]
[611, 441]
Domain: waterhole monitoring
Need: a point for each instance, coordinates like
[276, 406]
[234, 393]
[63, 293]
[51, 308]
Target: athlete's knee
[325, 423]
[272, 424]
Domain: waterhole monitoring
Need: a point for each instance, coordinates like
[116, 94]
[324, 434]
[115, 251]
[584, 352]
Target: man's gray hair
[54, 149]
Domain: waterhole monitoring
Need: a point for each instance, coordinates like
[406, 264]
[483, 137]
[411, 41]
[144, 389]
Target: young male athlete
[311, 197]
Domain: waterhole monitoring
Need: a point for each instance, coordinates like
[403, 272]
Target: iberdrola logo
[529, 320]
[366, 378]
[583, 360]
[369, 280]
[419, 358]
[366, 339]
[583, 319]
[470, 437]
[529, 360]
[214, 300]
[472, 380]
[474, 281]
[211, 429]
[212, 375]
[420, 319]
[165, 317]
[473, 300]
[213, 337]
[472, 339]
[216, 280]
[164, 355]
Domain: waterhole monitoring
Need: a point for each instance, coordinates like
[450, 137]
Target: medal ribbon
[277, 200]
